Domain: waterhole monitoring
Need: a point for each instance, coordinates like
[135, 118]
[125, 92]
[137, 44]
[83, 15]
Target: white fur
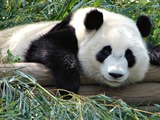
[17, 39]
[120, 32]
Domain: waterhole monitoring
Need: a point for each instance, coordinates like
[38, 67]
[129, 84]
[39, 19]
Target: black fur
[93, 20]
[58, 51]
[103, 53]
[107, 50]
[130, 58]
[154, 54]
[63, 23]
[144, 25]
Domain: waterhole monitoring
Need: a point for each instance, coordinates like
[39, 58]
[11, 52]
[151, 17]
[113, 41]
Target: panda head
[111, 46]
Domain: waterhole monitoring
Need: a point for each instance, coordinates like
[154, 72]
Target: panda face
[116, 53]
[115, 58]
[115, 68]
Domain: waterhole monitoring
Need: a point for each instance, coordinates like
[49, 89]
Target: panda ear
[93, 20]
[144, 25]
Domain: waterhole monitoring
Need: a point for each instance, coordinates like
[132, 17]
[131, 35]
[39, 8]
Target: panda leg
[58, 51]
[154, 54]
[66, 74]
[63, 65]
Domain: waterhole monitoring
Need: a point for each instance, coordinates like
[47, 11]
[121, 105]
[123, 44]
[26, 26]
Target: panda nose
[115, 75]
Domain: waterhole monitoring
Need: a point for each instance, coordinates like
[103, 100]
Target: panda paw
[154, 54]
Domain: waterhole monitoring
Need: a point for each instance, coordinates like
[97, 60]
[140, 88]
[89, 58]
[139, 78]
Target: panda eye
[103, 53]
[128, 53]
[107, 50]
[130, 58]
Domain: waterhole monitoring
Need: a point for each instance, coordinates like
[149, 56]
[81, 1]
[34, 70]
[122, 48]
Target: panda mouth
[113, 82]
[118, 80]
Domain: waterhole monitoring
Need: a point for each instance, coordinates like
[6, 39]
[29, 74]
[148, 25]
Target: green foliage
[20, 101]
[10, 58]
[15, 12]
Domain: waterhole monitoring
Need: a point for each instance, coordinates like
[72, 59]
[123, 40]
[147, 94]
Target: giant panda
[105, 46]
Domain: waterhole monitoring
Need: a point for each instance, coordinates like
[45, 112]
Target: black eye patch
[103, 53]
[130, 58]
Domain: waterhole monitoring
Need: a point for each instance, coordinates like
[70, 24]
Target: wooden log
[39, 71]
[45, 78]
[138, 94]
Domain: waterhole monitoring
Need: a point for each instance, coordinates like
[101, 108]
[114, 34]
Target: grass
[15, 12]
[10, 58]
[23, 98]
[21, 101]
